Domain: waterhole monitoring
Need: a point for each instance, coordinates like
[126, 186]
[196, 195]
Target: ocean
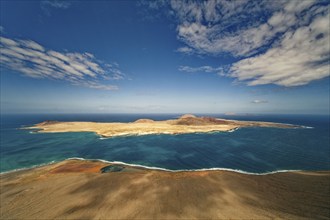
[251, 150]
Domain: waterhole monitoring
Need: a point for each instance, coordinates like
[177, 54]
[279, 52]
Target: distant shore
[182, 125]
[82, 189]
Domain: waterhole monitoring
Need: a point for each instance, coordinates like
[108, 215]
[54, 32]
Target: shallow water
[255, 150]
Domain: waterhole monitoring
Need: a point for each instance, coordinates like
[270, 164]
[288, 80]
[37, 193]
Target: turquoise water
[255, 150]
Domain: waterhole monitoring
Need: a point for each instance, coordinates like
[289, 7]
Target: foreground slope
[76, 189]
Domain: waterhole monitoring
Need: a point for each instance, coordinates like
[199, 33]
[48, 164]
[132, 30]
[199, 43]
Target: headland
[183, 125]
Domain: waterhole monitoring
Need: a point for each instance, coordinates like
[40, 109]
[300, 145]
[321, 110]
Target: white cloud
[206, 69]
[207, 26]
[32, 45]
[33, 60]
[48, 5]
[185, 50]
[64, 4]
[276, 42]
[241, 28]
[257, 101]
[301, 56]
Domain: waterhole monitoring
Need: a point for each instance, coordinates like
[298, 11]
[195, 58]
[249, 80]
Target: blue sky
[165, 57]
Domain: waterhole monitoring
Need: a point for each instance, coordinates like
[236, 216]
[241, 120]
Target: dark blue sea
[254, 150]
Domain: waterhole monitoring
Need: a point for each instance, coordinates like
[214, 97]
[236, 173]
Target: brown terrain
[184, 124]
[75, 189]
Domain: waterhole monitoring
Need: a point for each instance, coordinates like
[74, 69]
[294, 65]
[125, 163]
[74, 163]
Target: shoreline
[81, 189]
[158, 168]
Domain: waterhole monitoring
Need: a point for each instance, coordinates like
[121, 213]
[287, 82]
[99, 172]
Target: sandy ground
[76, 189]
[185, 124]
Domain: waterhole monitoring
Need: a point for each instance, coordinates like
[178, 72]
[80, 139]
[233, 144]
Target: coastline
[154, 168]
[76, 188]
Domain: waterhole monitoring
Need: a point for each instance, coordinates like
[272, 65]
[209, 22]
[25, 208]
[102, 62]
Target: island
[185, 124]
[86, 189]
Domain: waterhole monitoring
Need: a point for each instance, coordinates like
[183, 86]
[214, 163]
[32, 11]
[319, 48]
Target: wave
[182, 170]
[308, 127]
[156, 168]
[234, 129]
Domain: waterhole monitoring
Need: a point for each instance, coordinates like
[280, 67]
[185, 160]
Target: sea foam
[182, 170]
